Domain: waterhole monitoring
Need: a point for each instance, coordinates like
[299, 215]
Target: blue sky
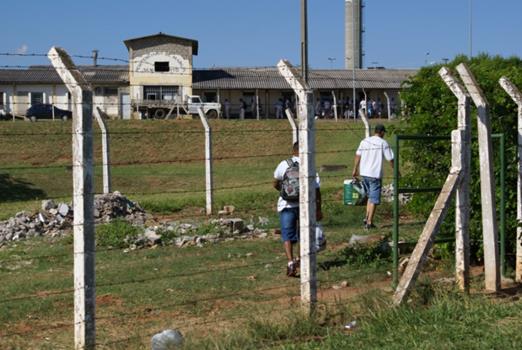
[399, 33]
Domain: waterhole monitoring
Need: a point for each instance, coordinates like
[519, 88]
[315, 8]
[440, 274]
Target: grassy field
[231, 295]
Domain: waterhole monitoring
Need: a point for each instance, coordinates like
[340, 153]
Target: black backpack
[290, 183]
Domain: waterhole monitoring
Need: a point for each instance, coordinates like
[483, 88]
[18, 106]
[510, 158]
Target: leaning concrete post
[461, 158]
[295, 132]
[208, 160]
[334, 105]
[105, 151]
[388, 104]
[307, 178]
[83, 199]
[487, 183]
[515, 94]
[364, 118]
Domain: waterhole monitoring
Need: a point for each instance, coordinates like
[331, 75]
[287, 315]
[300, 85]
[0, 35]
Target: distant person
[226, 104]
[279, 109]
[362, 105]
[393, 107]
[286, 181]
[318, 109]
[253, 107]
[327, 111]
[369, 106]
[368, 163]
[242, 109]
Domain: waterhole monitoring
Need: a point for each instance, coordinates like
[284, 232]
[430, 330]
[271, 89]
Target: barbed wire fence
[194, 186]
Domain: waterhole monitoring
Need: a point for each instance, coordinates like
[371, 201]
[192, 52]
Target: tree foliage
[430, 108]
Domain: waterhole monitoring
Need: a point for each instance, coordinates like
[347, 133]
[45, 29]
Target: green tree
[431, 109]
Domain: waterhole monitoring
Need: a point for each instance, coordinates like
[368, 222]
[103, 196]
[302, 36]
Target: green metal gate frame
[398, 190]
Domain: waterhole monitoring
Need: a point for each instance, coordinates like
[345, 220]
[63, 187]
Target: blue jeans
[372, 186]
[289, 230]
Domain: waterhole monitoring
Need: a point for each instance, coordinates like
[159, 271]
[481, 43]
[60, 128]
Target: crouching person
[286, 181]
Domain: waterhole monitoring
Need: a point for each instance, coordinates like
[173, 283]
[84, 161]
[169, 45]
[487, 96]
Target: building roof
[269, 78]
[111, 74]
[192, 42]
[223, 78]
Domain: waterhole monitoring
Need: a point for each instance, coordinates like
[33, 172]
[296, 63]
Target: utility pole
[304, 40]
[470, 28]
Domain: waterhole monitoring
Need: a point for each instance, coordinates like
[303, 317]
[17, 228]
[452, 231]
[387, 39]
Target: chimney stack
[95, 57]
[353, 57]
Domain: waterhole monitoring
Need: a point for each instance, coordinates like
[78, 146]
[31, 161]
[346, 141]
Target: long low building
[160, 69]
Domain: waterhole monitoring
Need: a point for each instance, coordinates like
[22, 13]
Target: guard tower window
[161, 66]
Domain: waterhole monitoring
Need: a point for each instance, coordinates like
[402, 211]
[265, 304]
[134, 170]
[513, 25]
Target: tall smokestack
[95, 57]
[353, 51]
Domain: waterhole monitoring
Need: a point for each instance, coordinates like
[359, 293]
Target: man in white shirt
[289, 211]
[368, 163]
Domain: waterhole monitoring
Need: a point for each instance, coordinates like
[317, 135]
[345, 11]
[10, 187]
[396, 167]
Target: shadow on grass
[12, 189]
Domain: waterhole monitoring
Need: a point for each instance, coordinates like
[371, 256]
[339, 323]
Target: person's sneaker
[291, 269]
[369, 226]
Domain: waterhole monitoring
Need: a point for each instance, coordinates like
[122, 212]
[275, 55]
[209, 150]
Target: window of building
[2, 102]
[110, 91]
[161, 66]
[210, 96]
[164, 93]
[36, 98]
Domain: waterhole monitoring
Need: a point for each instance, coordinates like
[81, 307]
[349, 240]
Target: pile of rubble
[197, 234]
[387, 195]
[55, 219]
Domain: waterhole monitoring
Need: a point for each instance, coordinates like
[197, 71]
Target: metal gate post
[515, 94]
[395, 238]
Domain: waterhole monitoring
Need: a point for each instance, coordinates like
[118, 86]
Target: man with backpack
[286, 181]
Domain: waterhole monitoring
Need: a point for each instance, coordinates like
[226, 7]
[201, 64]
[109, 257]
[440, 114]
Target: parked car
[45, 111]
[4, 115]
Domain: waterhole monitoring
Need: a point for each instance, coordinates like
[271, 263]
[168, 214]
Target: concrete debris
[387, 195]
[343, 284]
[227, 210]
[55, 219]
[197, 234]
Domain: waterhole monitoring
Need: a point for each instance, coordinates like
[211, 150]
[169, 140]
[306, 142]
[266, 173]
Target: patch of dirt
[108, 300]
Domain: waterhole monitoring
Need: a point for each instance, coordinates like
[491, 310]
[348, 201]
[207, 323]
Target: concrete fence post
[388, 104]
[105, 151]
[334, 105]
[307, 178]
[83, 199]
[295, 132]
[487, 183]
[364, 117]
[208, 161]
[461, 158]
[515, 94]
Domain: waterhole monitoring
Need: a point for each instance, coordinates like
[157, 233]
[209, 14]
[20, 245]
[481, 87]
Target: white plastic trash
[169, 339]
[320, 239]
